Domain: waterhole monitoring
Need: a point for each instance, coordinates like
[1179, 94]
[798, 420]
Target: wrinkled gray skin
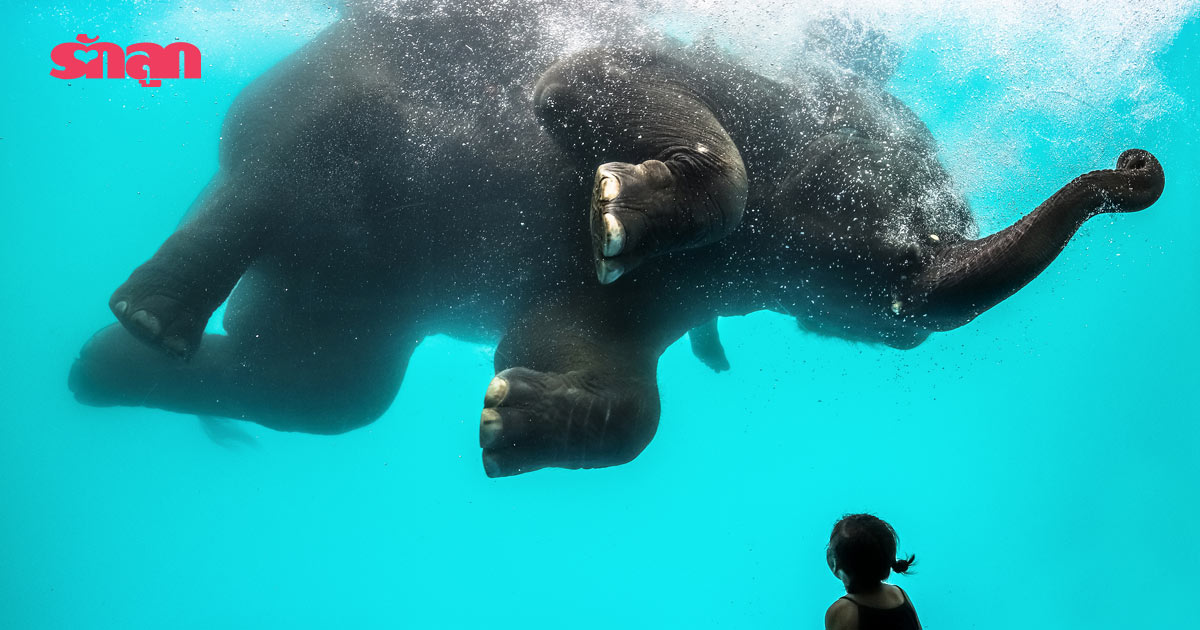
[397, 178]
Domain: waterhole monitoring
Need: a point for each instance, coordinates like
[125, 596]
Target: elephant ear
[851, 44]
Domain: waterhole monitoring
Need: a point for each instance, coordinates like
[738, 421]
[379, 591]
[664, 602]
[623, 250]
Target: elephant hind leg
[669, 176]
[167, 301]
[962, 280]
[323, 385]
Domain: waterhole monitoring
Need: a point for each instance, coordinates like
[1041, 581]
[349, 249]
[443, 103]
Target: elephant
[439, 172]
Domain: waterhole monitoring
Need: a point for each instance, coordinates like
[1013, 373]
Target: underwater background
[1041, 462]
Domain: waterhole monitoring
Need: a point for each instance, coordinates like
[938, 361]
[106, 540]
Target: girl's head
[862, 552]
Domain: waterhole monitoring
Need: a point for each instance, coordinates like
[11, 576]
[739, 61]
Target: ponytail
[901, 565]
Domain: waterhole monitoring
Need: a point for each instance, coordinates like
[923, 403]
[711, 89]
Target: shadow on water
[227, 433]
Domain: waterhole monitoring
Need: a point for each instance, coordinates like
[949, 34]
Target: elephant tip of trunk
[1136, 159]
[1145, 178]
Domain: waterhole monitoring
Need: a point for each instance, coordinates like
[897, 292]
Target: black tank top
[902, 617]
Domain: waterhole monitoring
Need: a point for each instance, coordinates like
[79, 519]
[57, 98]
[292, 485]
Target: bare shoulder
[842, 615]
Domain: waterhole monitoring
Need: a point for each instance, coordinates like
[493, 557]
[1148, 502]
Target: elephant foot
[644, 210]
[157, 313]
[114, 369]
[533, 420]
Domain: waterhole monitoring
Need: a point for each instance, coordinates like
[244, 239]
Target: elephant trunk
[963, 280]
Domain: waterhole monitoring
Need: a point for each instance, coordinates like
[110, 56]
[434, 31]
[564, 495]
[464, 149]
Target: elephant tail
[962, 280]
[706, 345]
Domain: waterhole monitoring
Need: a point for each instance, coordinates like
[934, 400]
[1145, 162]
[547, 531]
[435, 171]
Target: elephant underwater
[420, 171]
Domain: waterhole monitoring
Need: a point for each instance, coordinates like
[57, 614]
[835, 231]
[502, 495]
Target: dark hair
[864, 547]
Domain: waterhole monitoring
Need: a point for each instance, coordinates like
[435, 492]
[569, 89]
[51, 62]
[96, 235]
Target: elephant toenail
[609, 188]
[607, 271]
[496, 392]
[489, 427]
[120, 307]
[147, 322]
[614, 235]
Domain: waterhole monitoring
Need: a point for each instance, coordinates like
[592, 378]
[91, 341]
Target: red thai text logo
[89, 58]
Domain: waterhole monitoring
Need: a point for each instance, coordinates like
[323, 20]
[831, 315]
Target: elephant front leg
[168, 300]
[568, 398]
[671, 178]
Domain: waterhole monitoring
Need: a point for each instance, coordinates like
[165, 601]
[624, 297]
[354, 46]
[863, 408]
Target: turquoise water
[1041, 462]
